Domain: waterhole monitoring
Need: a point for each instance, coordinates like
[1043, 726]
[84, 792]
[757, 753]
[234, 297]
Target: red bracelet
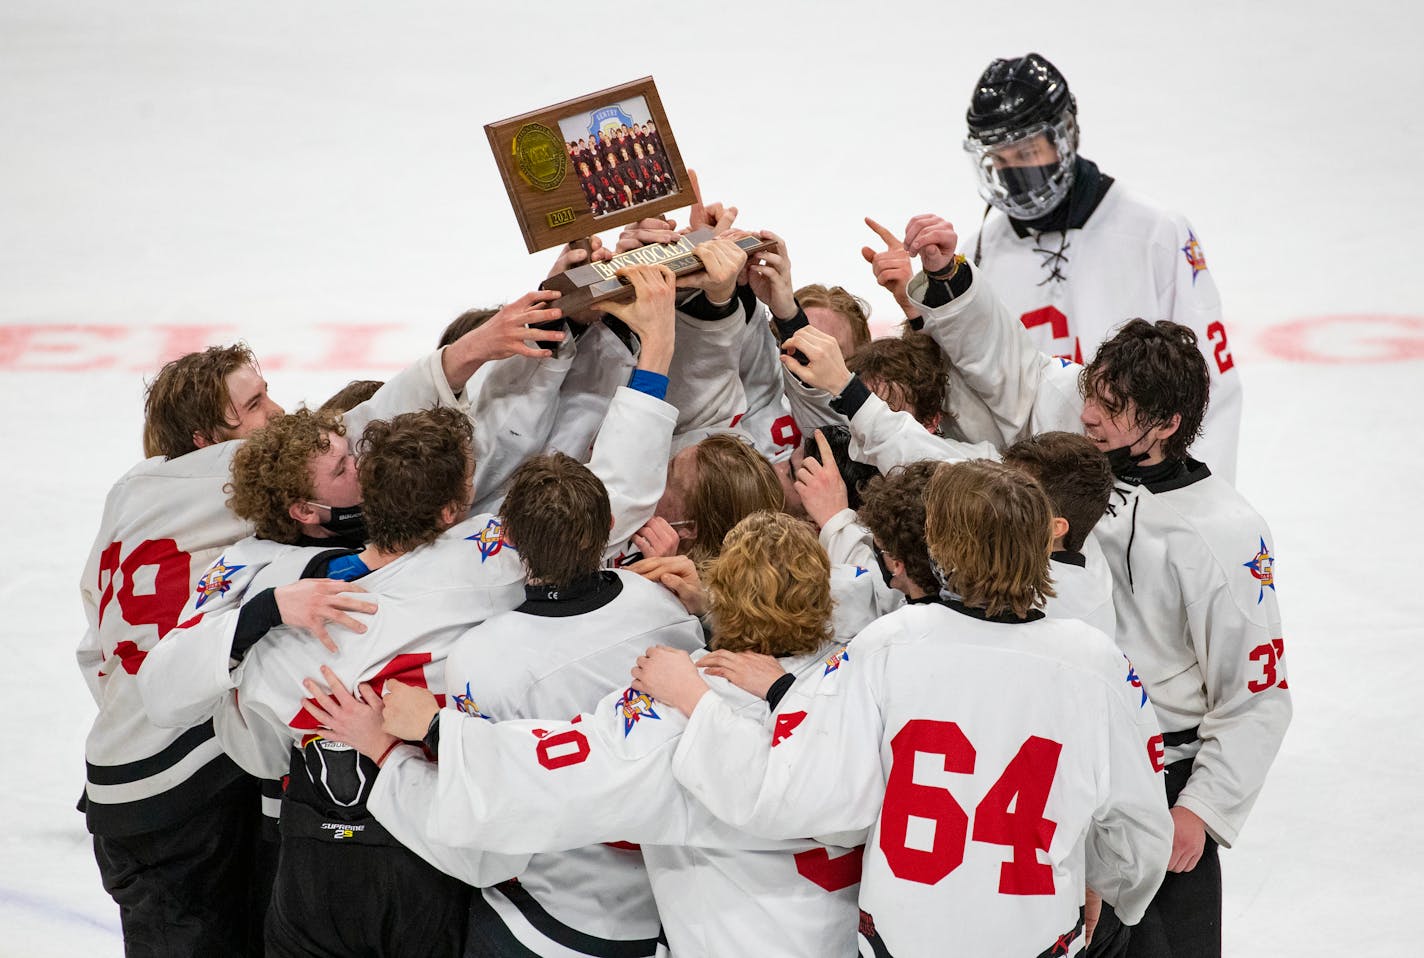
[387, 753]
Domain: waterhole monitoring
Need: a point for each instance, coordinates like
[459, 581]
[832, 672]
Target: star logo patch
[216, 581]
[1262, 567]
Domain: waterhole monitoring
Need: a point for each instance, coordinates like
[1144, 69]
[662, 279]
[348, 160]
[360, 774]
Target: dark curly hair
[1157, 370]
[272, 470]
[413, 467]
[893, 509]
[1073, 472]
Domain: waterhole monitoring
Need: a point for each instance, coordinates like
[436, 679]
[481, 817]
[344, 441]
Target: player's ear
[200, 440]
[1060, 527]
[303, 512]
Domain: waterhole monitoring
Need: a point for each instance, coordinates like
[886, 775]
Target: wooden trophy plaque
[591, 164]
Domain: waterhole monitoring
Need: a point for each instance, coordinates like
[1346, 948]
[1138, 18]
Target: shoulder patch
[216, 581]
[836, 658]
[1134, 680]
[1196, 259]
[465, 702]
[636, 706]
[490, 540]
[1262, 566]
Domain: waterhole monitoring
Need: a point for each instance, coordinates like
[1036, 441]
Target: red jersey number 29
[923, 828]
[158, 606]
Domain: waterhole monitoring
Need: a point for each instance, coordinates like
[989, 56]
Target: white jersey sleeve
[1027, 391]
[704, 380]
[885, 439]
[630, 457]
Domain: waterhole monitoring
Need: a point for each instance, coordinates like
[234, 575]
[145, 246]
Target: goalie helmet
[1023, 136]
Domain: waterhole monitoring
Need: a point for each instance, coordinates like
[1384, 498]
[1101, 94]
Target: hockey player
[999, 756]
[574, 637]
[1079, 482]
[170, 795]
[1192, 562]
[1074, 254]
[434, 576]
[607, 774]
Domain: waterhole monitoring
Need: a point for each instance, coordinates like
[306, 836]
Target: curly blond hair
[990, 528]
[272, 470]
[770, 588]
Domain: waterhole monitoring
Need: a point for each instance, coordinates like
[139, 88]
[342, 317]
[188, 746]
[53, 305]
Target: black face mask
[1022, 180]
[880, 561]
[345, 522]
[1122, 459]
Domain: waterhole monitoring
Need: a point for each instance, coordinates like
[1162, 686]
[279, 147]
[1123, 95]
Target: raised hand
[345, 718]
[769, 275]
[824, 366]
[893, 266]
[313, 604]
[933, 239]
[575, 255]
[646, 232]
[717, 218]
[722, 262]
[820, 486]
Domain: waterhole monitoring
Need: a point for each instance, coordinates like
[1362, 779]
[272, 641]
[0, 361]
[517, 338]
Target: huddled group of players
[622, 166]
[709, 624]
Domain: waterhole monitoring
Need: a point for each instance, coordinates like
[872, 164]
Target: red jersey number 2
[1057, 323]
[1010, 813]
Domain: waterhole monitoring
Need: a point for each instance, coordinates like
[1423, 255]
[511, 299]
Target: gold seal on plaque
[541, 157]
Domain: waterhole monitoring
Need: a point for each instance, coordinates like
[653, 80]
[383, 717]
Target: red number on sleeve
[816, 865]
[1024, 786]
[568, 747]
[1269, 654]
[785, 432]
[1216, 332]
[905, 799]
[1157, 753]
[108, 568]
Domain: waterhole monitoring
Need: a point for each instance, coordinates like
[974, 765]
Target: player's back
[998, 754]
[164, 523]
[555, 656]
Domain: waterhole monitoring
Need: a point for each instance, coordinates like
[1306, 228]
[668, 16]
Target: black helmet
[1013, 94]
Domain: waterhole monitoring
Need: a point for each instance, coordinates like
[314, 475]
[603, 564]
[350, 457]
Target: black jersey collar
[1006, 617]
[584, 594]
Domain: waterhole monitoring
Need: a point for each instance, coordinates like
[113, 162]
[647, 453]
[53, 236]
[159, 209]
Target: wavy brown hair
[413, 467]
[770, 589]
[351, 395]
[990, 528]
[911, 368]
[733, 481]
[273, 469]
[188, 396]
[557, 515]
[843, 303]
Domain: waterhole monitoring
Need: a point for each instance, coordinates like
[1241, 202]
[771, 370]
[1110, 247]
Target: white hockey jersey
[1071, 290]
[558, 657]
[1000, 764]
[1192, 566]
[1084, 585]
[526, 785]
[164, 524]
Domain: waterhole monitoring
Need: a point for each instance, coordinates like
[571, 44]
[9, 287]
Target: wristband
[387, 753]
[945, 274]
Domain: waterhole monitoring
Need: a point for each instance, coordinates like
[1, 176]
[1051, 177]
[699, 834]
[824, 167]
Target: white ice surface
[173, 173]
